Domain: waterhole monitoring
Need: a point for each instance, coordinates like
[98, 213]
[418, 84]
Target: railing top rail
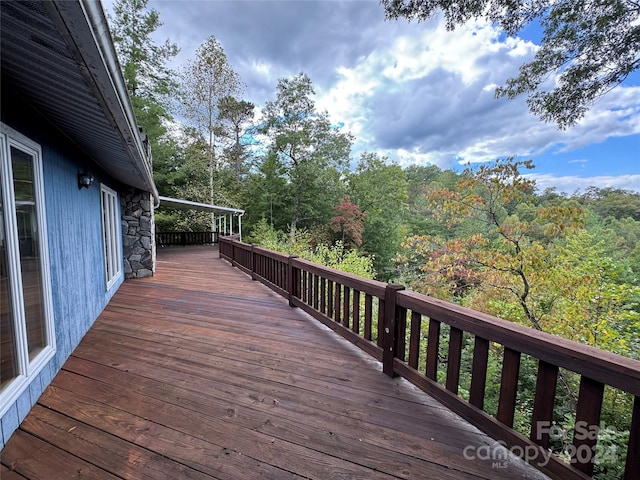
[601, 365]
[182, 232]
[271, 254]
[372, 287]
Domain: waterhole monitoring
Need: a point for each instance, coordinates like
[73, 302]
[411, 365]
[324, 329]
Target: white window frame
[110, 235]
[27, 370]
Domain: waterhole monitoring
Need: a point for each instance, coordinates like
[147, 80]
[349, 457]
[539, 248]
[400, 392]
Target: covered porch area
[201, 373]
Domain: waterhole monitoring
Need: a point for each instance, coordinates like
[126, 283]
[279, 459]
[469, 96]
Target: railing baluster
[346, 309]
[337, 303]
[433, 348]
[368, 315]
[414, 340]
[401, 334]
[546, 383]
[292, 284]
[355, 317]
[587, 418]
[479, 372]
[323, 295]
[329, 298]
[453, 359]
[253, 263]
[283, 277]
[316, 291]
[632, 468]
[381, 307]
[508, 386]
[303, 292]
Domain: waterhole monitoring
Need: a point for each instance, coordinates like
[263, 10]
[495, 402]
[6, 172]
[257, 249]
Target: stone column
[138, 233]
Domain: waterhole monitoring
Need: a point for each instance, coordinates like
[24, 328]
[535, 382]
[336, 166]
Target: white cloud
[570, 184]
[429, 96]
[412, 91]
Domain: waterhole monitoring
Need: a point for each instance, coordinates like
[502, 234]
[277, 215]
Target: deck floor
[200, 373]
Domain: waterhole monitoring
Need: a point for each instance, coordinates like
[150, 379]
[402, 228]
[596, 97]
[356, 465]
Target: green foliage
[379, 188]
[529, 263]
[301, 244]
[149, 81]
[207, 80]
[592, 46]
[548, 262]
[308, 151]
[266, 236]
[143, 61]
[613, 202]
[235, 116]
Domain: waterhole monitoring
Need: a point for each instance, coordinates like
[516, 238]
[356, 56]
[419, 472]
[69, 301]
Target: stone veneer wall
[138, 233]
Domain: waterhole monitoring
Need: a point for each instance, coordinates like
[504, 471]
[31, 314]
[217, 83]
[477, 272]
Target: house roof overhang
[59, 56]
[201, 207]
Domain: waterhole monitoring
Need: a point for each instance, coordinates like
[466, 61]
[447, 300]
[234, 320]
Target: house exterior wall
[75, 241]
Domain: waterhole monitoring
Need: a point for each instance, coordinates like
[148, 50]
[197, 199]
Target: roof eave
[202, 207]
[84, 26]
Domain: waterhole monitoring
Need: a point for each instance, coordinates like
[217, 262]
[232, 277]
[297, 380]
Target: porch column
[138, 233]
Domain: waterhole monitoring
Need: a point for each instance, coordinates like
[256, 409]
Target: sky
[413, 92]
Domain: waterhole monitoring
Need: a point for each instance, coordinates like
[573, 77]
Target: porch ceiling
[60, 58]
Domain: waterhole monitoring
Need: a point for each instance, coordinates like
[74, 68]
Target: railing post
[292, 284]
[390, 333]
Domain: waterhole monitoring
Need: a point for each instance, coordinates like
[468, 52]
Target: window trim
[27, 370]
[111, 251]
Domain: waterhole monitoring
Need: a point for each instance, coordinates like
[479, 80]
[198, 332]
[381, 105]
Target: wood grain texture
[201, 373]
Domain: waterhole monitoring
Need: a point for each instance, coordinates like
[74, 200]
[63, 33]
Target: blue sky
[413, 92]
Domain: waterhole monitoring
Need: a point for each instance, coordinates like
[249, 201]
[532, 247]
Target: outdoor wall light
[84, 180]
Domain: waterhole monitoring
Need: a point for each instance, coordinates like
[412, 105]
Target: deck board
[201, 373]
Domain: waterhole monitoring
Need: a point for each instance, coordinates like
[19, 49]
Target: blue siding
[74, 225]
[76, 252]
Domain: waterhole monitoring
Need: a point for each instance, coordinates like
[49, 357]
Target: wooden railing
[347, 304]
[166, 239]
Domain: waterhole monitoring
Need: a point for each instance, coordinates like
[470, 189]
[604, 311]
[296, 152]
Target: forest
[484, 237]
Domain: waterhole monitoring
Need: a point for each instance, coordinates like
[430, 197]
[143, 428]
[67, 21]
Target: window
[110, 221]
[27, 340]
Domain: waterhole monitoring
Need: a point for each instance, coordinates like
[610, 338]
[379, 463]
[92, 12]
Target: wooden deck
[200, 373]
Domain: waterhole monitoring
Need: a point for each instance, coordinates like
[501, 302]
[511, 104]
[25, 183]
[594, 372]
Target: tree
[206, 80]
[266, 195]
[149, 81]
[234, 116]
[594, 306]
[309, 150]
[502, 255]
[613, 202]
[348, 222]
[379, 188]
[591, 45]
[144, 64]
